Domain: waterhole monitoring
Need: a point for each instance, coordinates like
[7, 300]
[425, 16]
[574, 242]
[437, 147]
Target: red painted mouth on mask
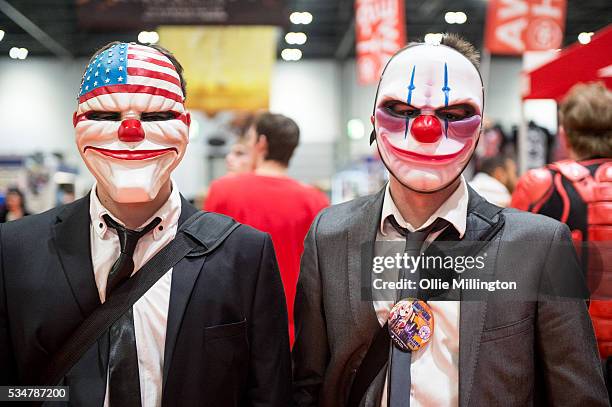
[131, 154]
[426, 158]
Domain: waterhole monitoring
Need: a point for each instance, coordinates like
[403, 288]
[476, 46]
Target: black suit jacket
[227, 339]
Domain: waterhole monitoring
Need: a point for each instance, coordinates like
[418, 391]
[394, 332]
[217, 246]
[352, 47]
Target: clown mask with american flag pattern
[131, 125]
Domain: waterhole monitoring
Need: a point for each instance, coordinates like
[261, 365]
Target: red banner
[380, 32]
[515, 26]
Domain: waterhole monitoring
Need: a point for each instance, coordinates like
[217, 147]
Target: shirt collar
[453, 210]
[169, 214]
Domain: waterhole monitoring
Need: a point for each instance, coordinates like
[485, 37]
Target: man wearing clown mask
[130, 290]
[356, 348]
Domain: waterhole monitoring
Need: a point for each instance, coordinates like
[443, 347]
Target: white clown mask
[427, 116]
[132, 128]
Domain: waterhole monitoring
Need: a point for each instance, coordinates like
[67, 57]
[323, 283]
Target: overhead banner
[516, 26]
[126, 15]
[591, 62]
[226, 68]
[380, 32]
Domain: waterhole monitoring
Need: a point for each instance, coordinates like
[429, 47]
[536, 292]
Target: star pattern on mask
[106, 69]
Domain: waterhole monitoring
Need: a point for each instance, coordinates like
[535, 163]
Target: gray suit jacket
[518, 353]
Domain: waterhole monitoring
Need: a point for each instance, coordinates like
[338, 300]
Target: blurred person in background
[14, 206]
[268, 199]
[240, 158]
[578, 192]
[496, 179]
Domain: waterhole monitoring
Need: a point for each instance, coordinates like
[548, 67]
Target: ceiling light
[296, 18]
[455, 17]
[18, 53]
[300, 17]
[585, 37]
[433, 38]
[148, 37]
[1, 34]
[298, 38]
[153, 37]
[291, 54]
[306, 18]
[355, 129]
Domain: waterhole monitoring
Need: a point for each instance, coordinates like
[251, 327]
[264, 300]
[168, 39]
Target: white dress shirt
[434, 369]
[151, 310]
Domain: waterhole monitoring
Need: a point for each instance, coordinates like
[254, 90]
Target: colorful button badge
[411, 324]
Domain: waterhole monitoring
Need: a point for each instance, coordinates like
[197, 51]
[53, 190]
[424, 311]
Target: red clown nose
[426, 129]
[131, 131]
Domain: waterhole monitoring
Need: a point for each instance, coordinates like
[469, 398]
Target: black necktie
[123, 376]
[399, 370]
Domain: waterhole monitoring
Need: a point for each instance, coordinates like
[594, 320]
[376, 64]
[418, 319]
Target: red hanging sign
[516, 26]
[380, 32]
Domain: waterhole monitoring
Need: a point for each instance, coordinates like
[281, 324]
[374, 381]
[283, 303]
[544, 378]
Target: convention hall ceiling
[330, 35]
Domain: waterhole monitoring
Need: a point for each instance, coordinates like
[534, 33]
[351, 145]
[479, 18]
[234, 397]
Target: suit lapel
[71, 238]
[361, 237]
[473, 311]
[184, 275]
[187, 210]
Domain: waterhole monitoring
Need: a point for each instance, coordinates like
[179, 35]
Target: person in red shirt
[269, 200]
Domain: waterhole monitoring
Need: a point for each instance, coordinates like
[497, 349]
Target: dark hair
[463, 46]
[586, 116]
[17, 191]
[282, 133]
[490, 164]
[167, 54]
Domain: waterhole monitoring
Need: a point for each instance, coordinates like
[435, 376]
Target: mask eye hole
[456, 112]
[103, 116]
[158, 116]
[401, 109]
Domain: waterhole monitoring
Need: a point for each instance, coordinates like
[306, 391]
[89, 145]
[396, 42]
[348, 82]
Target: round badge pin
[411, 324]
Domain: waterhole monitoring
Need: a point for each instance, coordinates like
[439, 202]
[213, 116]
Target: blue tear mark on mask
[446, 91]
[411, 87]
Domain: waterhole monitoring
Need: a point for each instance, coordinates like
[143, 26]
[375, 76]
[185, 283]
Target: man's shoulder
[228, 181]
[244, 241]
[310, 194]
[242, 231]
[30, 223]
[530, 226]
[341, 216]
